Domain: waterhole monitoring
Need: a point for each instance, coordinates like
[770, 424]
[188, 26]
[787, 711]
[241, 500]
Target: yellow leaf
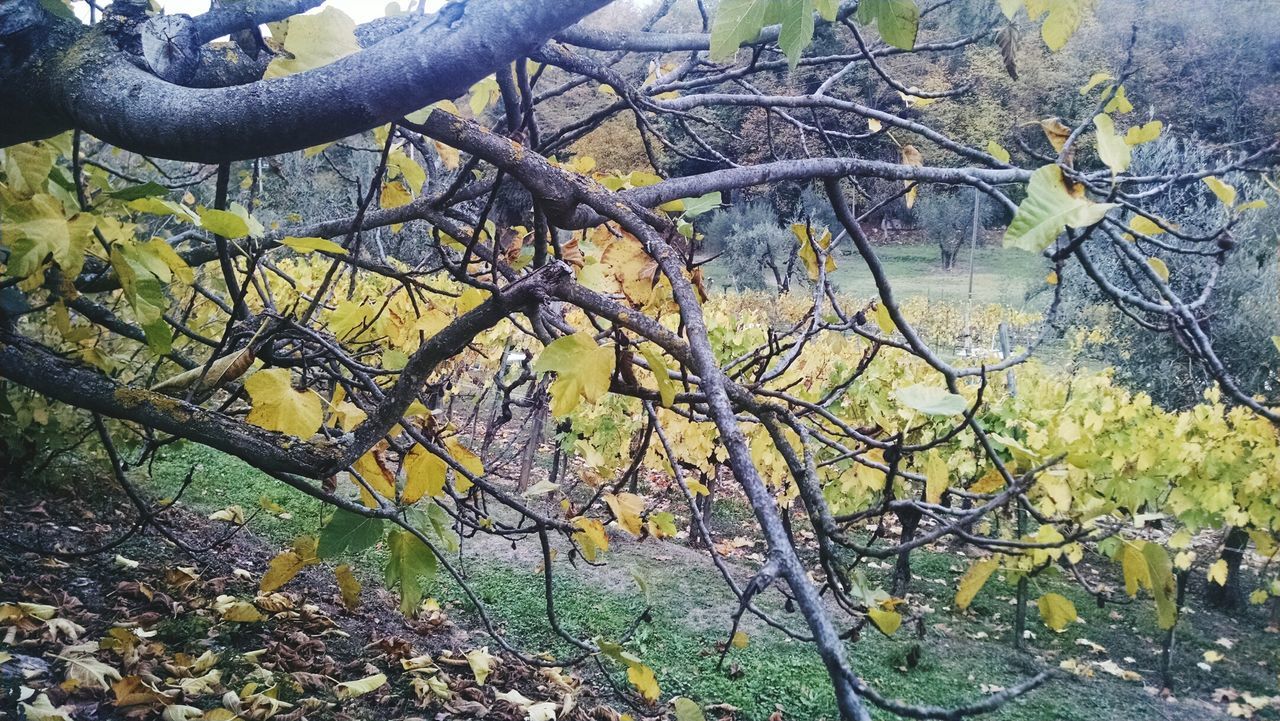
[886, 621]
[377, 475]
[911, 156]
[1136, 573]
[642, 678]
[395, 195]
[466, 458]
[352, 689]
[1056, 611]
[278, 407]
[936, 477]
[874, 125]
[997, 151]
[1225, 193]
[400, 165]
[349, 586]
[450, 158]
[287, 564]
[1052, 278]
[1259, 596]
[88, 672]
[1159, 268]
[591, 536]
[424, 475]
[1218, 572]
[311, 41]
[1139, 134]
[1056, 132]
[973, 581]
[884, 319]
[230, 514]
[1112, 148]
[1144, 225]
[481, 663]
[627, 508]
[223, 223]
[739, 640]
[808, 251]
[583, 370]
[242, 612]
[310, 245]
[1094, 81]
[666, 386]
[1119, 103]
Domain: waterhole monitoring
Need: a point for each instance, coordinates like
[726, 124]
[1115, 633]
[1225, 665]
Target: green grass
[1000, 276]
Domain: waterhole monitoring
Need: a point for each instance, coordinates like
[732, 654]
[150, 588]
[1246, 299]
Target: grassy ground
[1000, 276]
[689, 609]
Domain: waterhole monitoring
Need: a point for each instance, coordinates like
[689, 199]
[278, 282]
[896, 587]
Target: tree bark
[1231, 596]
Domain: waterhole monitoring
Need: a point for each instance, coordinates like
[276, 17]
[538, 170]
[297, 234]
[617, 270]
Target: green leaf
[687, 709]
[144, 291]
[160, 206]
[797, 30]
[897, 20]
[410, 560]
[36, 229]
[135, 192]
[1056, 611]
[223, 223]
[310, 245]
[348, 532]
[27, 167]
[582, 368]
[666, 386]
[1275, 339]
[932, 400]
[1048, 209]
[736, 22]
[1112, 148]
[702, 204]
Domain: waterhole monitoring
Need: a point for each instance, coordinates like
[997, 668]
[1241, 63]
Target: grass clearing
[1000, 276]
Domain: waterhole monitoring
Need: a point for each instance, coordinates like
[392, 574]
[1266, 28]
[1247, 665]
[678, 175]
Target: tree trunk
[910, 520]
[1231, 596]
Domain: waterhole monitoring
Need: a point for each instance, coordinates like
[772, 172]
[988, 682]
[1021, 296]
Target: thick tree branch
[78, 79]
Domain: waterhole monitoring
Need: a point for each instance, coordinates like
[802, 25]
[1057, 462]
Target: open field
[1000, 276]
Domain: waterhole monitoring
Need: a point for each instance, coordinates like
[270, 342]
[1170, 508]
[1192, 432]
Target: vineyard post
[1020, 610]
[1166, 646]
